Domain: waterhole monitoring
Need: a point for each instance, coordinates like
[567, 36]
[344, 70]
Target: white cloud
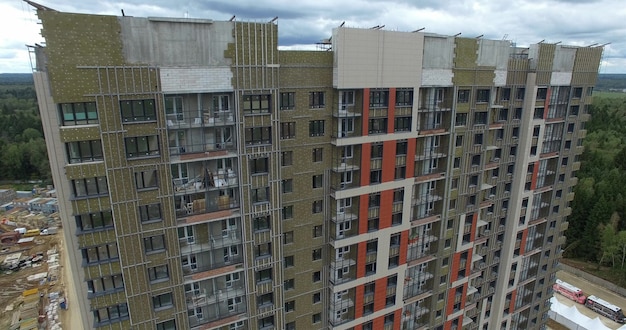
[574, 22]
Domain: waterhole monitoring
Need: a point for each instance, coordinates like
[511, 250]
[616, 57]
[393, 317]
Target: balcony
[345, 226]
[207, 202]
[202, 260]
[342, 270]
[203, 309]
[347, 110]
[205, 182]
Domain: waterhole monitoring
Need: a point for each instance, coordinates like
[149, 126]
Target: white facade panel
[500, 78]
[178, 80]
[437, 77]
[561, 78]
[368, 58]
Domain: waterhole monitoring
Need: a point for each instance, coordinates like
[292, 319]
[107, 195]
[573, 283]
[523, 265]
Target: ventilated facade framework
[401, 180]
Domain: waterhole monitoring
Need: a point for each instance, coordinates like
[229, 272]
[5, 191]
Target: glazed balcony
[203, 257]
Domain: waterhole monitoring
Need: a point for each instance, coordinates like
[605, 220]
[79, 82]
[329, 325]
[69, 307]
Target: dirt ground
[13, 283]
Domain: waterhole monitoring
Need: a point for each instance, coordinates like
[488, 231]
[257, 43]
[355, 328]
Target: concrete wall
[172, 42]
[376, 58]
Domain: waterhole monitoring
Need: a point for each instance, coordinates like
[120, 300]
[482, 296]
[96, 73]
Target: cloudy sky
[305, 22]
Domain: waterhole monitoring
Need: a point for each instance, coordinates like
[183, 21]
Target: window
[346, 97]
[84, 151]
[377, 150]
[289, 261]
[138, 110]
[266, 323]
[404, 97]
[110, 314]
[538, 113]
[463, 96]
[263, 250]
[265, 299]
[318, 181]
[255, 104]
[317, 231]
[290, 306]
[372, 224]
[174, 109]
[101, 253]
[150, 212]
[289, 284]
[317, 318]
[316, 128]
[290, 326]
[90, 187]
[94, 221]
[260, 195]
[317, 276]
[518, 113]
[286, 158]
[287, 101]
[154, 243]
[570, 128]
[233, 302]
[82, 113]
[317, 297]
[167, 325]
[287, 212]
[379, 98]
[519, 95]
[400, 172]
[503, 114]
[480, 118]
[288, 237]
[162, 301]
[578, 92]
[259, 165]
[482, 96]
[288, 130]
[106, 284]
[371, 246]
[261, 223]
[317, 206]
[347, 126]
[317, 254]
[505, 94]
[158, 273]
[573, 110]
[142, 146]
[287, 186]
[374, 200]
[376, 176]
[146, 179]
[542, 92]
[316, 100]
[461, 119]
[258, 135]
[318, 154]
[402, 124]
[264, 275]
[370, 268]
[378, 125]
[401, 147]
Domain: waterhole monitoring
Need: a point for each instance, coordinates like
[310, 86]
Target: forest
[597, 225]
[23, 154]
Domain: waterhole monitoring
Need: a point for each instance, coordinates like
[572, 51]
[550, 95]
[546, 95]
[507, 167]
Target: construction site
[33, 293]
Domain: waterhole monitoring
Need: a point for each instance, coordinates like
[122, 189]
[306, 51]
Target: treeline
[23, 153]
[611, 82]
[597, 230]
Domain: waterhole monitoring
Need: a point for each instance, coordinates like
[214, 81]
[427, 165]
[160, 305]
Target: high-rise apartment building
[395, 180]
